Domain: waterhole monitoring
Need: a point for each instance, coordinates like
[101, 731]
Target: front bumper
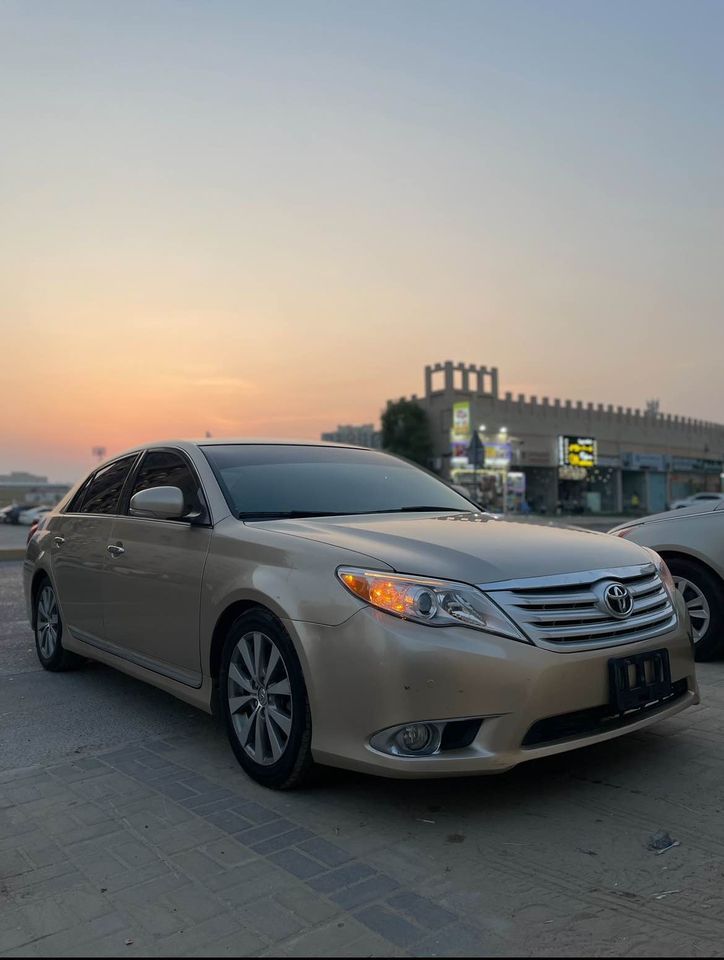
[375, 671]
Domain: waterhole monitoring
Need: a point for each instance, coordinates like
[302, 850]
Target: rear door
[153, 584]
[80, 538]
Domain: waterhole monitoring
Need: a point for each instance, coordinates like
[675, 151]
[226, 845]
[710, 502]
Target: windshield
[268, 481]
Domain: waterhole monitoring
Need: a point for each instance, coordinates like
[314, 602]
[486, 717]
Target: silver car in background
[691, 541]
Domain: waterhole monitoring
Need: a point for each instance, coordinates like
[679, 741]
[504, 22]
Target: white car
[705, 499]
[28, 517]
[691, 542]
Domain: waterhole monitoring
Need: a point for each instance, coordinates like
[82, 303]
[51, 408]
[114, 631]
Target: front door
[78, 556]
[152, 589]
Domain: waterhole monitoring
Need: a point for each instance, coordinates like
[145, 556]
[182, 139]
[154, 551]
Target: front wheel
[264, 702]
[702, 594]
[49, 632]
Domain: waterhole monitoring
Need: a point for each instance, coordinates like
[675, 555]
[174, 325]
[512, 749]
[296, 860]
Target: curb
[12, 554]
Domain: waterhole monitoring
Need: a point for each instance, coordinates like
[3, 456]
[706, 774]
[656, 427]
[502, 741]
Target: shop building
[25, 488]
[553, 455]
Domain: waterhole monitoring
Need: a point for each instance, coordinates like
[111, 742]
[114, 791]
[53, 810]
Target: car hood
[469, 547]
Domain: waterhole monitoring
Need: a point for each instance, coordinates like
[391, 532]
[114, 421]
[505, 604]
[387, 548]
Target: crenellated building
[644, 459]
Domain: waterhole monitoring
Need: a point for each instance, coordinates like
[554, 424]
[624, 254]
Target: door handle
[59, 541]
[115, 549]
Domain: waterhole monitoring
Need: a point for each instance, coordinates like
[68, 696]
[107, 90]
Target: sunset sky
[265, 218]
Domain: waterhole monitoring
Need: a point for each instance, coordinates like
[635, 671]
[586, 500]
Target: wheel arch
[232, 612]
[39, 576]
[677, 554]
[226, 618]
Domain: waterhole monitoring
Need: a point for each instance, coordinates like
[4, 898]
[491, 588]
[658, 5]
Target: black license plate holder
[639, 679]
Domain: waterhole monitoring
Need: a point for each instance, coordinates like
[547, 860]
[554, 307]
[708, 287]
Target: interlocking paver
[296, 863]
[342, 877]
[326, 852]
[227, 820]
[166, 843]
[374, 888]
[228, 852]
[281, 841]
[390, 925]
[275, 925]
[254, 880]
[254, 834]
[428, 914]
[194, 939]
[257, 813]
[73, 941]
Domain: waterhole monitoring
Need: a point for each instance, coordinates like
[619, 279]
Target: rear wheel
[264, 702]
[703, 595]
[49, 632]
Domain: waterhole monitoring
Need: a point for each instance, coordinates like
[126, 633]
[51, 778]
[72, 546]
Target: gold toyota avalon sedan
[340, 605]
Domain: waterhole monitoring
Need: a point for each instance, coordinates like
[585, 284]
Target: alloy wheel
[696, 605]
[260, 697]
[48, 626]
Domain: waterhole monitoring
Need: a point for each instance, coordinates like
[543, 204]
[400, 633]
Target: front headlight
[437, 603]
[664, 572]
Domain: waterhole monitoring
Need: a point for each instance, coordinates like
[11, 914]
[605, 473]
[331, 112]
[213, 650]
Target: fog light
[415, 737]
[409, 740]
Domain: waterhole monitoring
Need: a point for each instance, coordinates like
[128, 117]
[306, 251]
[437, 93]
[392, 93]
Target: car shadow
[628, 764]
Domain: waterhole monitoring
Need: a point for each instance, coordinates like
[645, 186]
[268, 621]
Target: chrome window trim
[84, 484]
[130, 480]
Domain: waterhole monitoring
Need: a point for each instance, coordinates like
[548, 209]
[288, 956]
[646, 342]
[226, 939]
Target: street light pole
[503, 433]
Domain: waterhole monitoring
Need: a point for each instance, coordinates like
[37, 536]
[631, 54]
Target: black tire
[49, 644]
[295, 765]
[710, 646]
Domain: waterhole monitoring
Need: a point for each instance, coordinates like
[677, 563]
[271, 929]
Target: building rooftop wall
[537, 419]
[457, 381]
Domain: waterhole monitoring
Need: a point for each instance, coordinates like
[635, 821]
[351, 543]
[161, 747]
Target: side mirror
[160, 503]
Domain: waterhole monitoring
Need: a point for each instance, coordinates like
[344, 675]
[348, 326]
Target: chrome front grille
[567, 612]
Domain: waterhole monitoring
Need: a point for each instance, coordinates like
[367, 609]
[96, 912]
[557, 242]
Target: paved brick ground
[160, 846]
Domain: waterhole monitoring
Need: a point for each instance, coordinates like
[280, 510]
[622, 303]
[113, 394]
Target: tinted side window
[162, 468]
[74, 505]
[103, 491]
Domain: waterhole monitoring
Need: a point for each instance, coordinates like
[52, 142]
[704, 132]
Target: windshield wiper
[424, 509]
[303, 514]
[287, 514]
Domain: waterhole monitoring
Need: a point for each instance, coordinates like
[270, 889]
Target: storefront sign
[498, 455]
[536, 458]
[460, 430]
[577, 452]
[633, 460]
[459, 451]
[696, 464]
[572, 473]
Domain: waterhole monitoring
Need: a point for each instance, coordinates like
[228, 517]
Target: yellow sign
[579, 452]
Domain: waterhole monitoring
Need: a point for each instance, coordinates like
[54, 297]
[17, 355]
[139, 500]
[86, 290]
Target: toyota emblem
[618, 600]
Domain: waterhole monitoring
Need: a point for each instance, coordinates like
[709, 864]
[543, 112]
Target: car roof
[231, 441]
[245, 441]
